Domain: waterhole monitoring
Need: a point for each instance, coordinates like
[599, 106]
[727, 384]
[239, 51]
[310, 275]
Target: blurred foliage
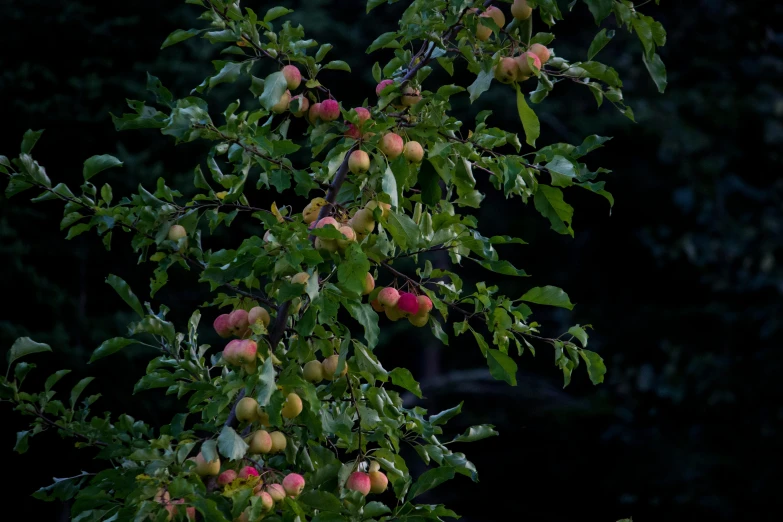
[683, 281]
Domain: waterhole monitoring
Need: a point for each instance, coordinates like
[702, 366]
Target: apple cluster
[397, 304]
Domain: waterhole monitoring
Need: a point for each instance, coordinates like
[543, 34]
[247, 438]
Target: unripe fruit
[524, 67]
[327, 221]
[425, 304]
[299, 105]
[330, 110]
[278, 442]
[267, 502]
[410, 96]
[238, 322]
[310, 212]
[507, 70]
[177, 232]
[282, 105]
[246, 409]
[369, 284]
[301, 278]
[393, 313]
[374, 466]
[330, 366]
[260, 442]
[360, 482]
[419, 319]
[263, 417]
[204, 468]
[292, 76]
[162, 496]
[292, 406]
[227, 477]
[378, 482]
[276, 491]
[391, 144]
[520, 10]
[247, 471]
[329, 245]
[222, 326]
[541, 51]
[258, 314]
[362, 222]
[293, 483]
[378, 307]
[314, 113]
[413, 152]
[389, 297]
[385, 207]
[358, 162]
[482, 31]
[313, 371]
[350, 235]
[496, 15]
[408, 304]
[379, 88]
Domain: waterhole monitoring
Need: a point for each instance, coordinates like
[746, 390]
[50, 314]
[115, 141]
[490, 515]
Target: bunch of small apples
[241, 352]
[519, 68]
[397, 304]
[355, 228]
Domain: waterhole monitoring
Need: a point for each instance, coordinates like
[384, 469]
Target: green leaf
[179, 35]
[657, 71]
[24, 346]
[429, 183]
[372, 4]
[384, 40]
[122, 288]
[322, 500]
[276, 12]
[78, 389]
[96, 164]
[579, 333]
[230, 444]
[596, 368]
[367, 318]
[548, 295]
[403, 230]
[549, 202]
[430, 479]
[352, 271]
[474, 433]
[375, 509]
[274, 87]
[111, 346]
[403, 378]
[501, 267]
[53, 378]
[29, 140]
[266, 383]
[21, 442]
[338, 65]
[599, 42]
[530, 122]
[389, 186]
[501, 366]
[482, 82]
[600, 9]
[562, 170]
[446, 415]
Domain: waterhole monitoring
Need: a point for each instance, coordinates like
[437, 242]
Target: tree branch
[69, 430]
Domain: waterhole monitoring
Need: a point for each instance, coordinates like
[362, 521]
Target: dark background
[682, 282]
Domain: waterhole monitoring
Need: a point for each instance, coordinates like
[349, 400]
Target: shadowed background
[682, 282]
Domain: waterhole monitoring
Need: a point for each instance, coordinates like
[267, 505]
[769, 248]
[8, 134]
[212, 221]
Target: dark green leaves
[430, 479]
[501, 366]
[403, 378]
[367, 318]
[599, 42]
[122, 288]
[179, 35]
[596, 368]
[111, 346]
[474, 433]
[657, 71]
[562, 171]
[25, 346]
[548, 295]
[78, 389]
[266, 383]
[600, 9]
[274, 87]
[549, 202]
[529, 119]
[429, 183]
[353, 269]
[29, 140]
[231, 444]
[482, 82]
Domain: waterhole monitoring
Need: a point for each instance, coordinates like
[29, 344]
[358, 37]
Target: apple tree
[295, 417]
